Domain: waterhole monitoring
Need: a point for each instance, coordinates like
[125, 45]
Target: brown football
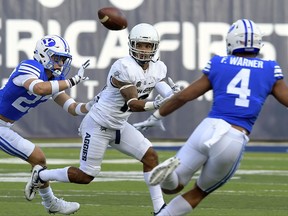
[112, 18]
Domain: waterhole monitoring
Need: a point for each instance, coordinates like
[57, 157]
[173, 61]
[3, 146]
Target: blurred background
[191, 32]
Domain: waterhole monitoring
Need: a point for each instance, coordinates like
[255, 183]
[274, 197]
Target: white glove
[159, 100]
[152, 121]
[79, 77]
[174, 87]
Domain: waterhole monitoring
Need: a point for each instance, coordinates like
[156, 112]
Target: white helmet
[244, 36]
[53, 45]
[144, 33]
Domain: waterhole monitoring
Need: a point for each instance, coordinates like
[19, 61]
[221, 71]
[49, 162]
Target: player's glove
[152, 121]
[176, 88]
[79, 77]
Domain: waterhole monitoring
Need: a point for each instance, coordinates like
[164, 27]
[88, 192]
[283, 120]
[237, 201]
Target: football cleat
[60, 206]
[34, 183]
[160, 172]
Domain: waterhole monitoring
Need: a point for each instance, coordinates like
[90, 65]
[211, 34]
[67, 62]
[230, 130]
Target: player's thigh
[94, 144]
[192, 155]
[14, 144]
[132, 142]
[224, 159]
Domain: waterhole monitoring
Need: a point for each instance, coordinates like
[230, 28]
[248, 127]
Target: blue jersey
[240, 87]
[15, 100]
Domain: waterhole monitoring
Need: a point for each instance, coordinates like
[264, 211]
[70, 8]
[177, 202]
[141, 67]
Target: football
[112, 18]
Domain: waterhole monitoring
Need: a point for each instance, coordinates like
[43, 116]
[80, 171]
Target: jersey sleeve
[27, 69]
[278, 75]
[207, 68]
[122, 72]
[162, 71]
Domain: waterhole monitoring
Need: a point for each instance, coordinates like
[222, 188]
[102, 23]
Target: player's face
[58, 61]
[145, 48]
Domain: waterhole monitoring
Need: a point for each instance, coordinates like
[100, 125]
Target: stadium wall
[191, 32]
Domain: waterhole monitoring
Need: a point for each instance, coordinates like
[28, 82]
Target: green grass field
[260, 188]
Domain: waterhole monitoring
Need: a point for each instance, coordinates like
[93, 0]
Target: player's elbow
[40, 90]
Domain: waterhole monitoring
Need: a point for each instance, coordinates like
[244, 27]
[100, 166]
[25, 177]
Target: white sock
[47, 195]
[155, 193]
[171, 182]
[177, 207]
[60, 175]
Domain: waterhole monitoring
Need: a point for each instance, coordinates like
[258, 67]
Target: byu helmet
[144, 33]
[244, 36]
[53, 45]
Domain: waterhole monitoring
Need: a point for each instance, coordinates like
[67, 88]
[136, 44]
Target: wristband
[149, 106]
[74, 80]
[78, 109]
[68, 103]
[54, 86]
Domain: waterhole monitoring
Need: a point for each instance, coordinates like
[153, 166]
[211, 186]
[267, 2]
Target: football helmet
[144, 33]
[244, 36]
[51, 50]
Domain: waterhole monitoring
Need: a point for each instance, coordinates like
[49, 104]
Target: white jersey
[111, 111]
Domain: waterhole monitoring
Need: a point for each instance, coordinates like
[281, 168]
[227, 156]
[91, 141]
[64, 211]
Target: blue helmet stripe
[252, 33]
[246, 33]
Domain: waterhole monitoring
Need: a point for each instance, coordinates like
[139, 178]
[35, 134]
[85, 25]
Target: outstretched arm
[130, 94]
[280, 92]
[73, 107]
[39, 87]
[194, 90]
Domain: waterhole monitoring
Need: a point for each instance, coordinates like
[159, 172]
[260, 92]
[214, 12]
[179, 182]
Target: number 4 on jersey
[239, 86]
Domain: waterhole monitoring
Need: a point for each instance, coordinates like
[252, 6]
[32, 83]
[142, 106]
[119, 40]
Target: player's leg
[224, 158]
[15, 145]
[94, 145]
[192, 156]
[174, 177]
[133, 143]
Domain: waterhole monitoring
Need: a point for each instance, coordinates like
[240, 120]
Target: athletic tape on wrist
[54, 86]
[32, 84]
[78, 109]
[68, 103]
[149, 106]
[71, 82]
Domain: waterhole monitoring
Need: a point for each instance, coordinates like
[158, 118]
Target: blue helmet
[53, 45]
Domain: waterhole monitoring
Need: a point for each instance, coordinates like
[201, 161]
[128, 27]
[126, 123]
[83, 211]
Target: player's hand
[92, 102]
[176, 88]
[82, 70]
[79, 77]
[159, 100]
[152, 121]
